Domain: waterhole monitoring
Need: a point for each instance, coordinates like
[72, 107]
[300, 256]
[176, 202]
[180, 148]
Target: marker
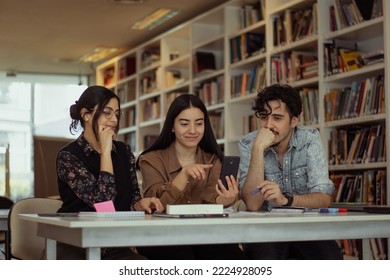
[333, 210]
[255, 191]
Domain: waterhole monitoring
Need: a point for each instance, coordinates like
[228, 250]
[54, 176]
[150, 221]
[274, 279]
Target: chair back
[25, 244]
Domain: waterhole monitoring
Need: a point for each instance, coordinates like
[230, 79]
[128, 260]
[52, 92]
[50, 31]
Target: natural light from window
[30, 106]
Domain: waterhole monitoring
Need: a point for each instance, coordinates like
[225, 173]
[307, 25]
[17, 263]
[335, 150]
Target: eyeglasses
[109, 113]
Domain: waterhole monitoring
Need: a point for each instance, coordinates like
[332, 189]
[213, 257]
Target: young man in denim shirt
[284, 165]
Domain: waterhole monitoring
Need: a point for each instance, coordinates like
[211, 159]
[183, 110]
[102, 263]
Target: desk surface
[235, 218]
[87, 232]
[320, 226]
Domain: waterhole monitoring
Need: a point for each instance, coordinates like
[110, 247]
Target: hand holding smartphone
[230, 166]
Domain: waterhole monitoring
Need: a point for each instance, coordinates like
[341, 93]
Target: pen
[333, 210]
[255, 191]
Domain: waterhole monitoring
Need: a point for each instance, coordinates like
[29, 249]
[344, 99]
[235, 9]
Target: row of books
[293, 25]
[150, 56]
[373, 57]
[151, 109]
[340, 59]
[293, 66]
[379, 248]
[249, 123]
[127, 67]
[362, 98]
[160, 79]
[248, 82]
[246, 45]
[217, 119]
[354, 145]
[309, 115]
[343, 59]
[127, 92]
[212, 92]
[128, 118]
[203, 62]
[368, 188]
[352, 249]
[252, 13]
[109, 76]
[344, 13]
[148, 83]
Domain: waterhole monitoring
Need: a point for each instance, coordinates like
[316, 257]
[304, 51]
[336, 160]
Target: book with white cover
[187, 209]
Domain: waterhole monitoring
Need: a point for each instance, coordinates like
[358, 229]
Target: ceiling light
[97, 54]
[158, 17]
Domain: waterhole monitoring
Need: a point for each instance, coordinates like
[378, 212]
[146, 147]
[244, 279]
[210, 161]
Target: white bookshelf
[213, 32]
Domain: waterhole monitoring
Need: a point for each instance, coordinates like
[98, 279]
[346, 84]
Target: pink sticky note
[105, 206]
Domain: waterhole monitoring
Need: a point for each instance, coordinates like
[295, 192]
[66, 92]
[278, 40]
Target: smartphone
[230, 166]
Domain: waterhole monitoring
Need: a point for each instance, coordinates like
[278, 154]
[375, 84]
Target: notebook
[118, 214]
[191, 216]
[377, 209]
[192, 209]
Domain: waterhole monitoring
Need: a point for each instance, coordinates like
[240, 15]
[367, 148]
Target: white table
[94, 233]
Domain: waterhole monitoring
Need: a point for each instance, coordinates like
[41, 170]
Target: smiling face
[189, 127]
[279, 122]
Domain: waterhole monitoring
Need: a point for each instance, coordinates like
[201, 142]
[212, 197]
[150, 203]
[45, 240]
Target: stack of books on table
[194, 211]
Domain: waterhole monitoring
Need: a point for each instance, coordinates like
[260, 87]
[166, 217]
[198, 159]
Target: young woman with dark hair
[96, 168]
[182, 167]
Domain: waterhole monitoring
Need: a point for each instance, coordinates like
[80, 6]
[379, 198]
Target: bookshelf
[227, 53]
[359, 167]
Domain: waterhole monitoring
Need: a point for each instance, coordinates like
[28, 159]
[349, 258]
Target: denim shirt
[304, 170]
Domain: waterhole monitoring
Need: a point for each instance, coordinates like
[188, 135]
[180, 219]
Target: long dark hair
[92, 96]
[185, 101]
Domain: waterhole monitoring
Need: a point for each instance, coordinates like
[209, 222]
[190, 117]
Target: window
[31, 105]
[51, 108]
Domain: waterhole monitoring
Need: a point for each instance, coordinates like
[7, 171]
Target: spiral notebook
[118, 214]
